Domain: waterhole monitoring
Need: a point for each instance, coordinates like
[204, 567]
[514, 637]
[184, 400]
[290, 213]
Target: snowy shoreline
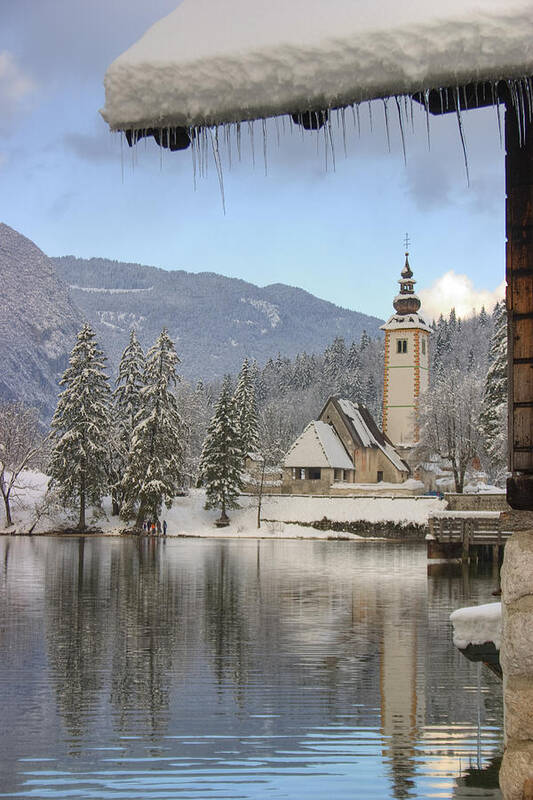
[282, 517]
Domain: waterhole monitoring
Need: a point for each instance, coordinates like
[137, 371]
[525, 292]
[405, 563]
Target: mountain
[215, 321]
[38, 323]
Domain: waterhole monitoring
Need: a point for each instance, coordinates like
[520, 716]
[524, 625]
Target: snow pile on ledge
[477, 625]
[211, 62]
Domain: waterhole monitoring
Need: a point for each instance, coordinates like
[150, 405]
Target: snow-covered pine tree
[351, 387]
[127, 403]
[493, 416]
[246, 410]
[221, 461]
[364, 341]
[80, 428]
[155, 471]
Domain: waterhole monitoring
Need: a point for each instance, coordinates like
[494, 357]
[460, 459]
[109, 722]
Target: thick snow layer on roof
[210, 62]
[477, 625]
[366, 436]
[318, 446]
[405, 321]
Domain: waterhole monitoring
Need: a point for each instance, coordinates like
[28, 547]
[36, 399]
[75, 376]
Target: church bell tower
[406, 373]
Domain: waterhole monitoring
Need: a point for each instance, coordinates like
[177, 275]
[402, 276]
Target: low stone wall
[373, 490]
[476, 502]
[411, 532]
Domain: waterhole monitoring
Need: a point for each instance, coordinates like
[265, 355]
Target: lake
[208, 669]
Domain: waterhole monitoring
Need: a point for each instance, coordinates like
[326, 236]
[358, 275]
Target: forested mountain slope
[215, 321]
[38, 323]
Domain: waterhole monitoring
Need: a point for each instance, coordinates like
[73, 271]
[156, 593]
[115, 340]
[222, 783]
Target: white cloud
[15, 85]
[457, 291]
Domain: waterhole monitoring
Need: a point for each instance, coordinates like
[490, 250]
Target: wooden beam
[519, 298]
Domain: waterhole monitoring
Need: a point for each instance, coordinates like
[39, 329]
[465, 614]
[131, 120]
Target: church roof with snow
[364, 431]
[318, 446]
[210, 62]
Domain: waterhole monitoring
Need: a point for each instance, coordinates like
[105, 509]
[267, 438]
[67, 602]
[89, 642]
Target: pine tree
[244, 401]
[127, 403]
[221, 460]
[80, 428]
[155, 472]
[364, 341]
[493, 416]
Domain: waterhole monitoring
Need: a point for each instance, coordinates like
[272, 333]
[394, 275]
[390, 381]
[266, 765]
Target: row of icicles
[208, 141]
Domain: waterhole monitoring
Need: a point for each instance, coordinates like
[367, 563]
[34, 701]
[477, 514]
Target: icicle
[238, 137]
[358, 119]
[328, 140]
[370, 116]
[276, 123]
[386, 113]
[500, 131]
[401, 129]
[426, 106]
[529, 95]
[193, 156]
[461, 133]
[251, 134]
[510, 87]
[227, 139]
[265, 158]
[522, 103]
[411, 111]
[343, 125]
[218, 165]
[122, 135]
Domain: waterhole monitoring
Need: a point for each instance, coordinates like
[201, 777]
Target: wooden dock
[466, 535]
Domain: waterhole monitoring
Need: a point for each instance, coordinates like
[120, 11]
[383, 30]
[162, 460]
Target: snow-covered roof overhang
[211, 62]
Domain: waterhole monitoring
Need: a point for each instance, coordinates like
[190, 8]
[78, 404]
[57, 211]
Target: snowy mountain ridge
[38, 323]
[216, 321]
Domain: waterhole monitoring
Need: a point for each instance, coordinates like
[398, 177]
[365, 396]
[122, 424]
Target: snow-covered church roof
[367, 432]
[318, 446]
[211, 62]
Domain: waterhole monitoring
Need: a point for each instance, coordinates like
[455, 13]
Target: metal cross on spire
[406, 242]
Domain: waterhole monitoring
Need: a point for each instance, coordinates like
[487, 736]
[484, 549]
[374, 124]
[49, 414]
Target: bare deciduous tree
[20, 446]
[448, 422]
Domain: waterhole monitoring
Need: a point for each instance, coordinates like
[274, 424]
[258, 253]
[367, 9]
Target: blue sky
[69, 185]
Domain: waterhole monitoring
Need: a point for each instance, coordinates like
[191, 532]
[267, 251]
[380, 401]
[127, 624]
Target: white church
[344, 446]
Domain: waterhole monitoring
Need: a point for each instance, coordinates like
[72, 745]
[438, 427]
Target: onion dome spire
[407, 302]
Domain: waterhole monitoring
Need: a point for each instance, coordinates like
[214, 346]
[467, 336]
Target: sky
[73, 187]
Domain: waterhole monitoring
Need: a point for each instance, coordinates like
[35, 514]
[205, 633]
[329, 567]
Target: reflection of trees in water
[114, 620]
[134, 623]
[147, 617]
[77, 603]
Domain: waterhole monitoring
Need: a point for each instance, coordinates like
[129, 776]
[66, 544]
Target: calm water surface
[210, 669]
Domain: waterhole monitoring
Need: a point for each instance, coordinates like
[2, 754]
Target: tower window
[401, 345]
[423, 347]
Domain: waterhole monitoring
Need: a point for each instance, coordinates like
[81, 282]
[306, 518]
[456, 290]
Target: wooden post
[465, 532]
[519, 296]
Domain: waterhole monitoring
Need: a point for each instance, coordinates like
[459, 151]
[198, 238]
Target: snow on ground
[188, 516]
[210, 62]
[477, 625]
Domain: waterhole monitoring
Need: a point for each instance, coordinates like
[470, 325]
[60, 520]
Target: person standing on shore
[164, 527]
